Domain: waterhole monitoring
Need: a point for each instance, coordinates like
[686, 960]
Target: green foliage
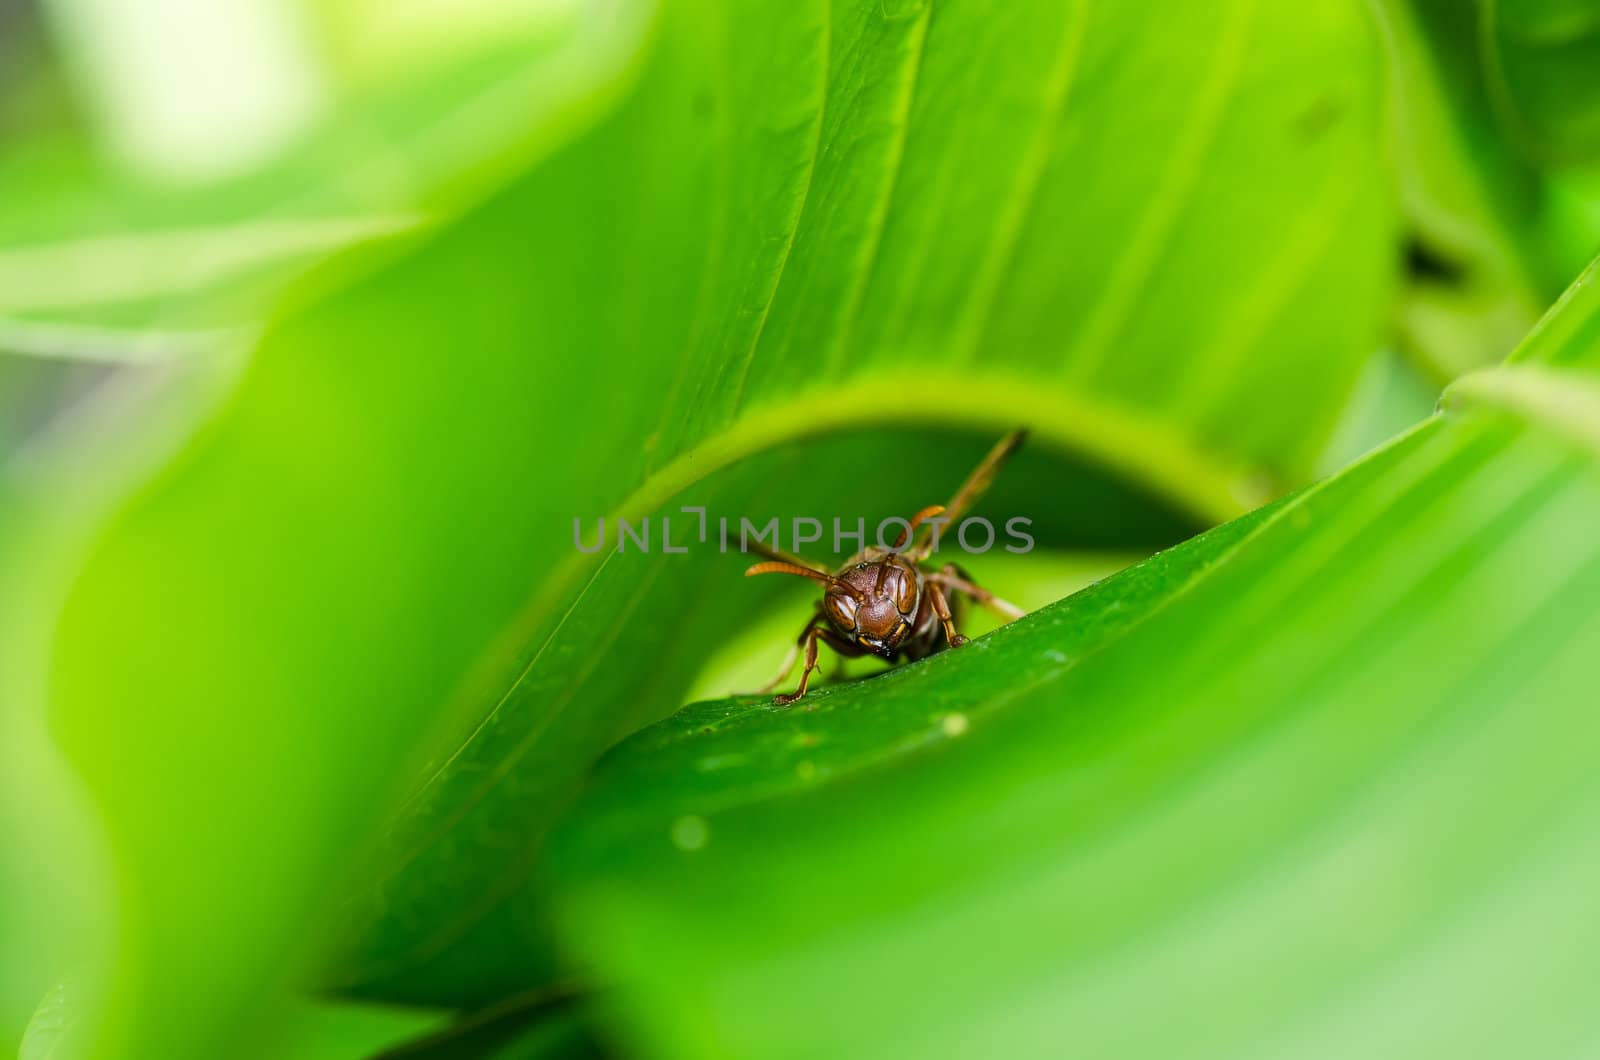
[1179, 784]
[312, 634]
[1541, 57]
[1503, 222]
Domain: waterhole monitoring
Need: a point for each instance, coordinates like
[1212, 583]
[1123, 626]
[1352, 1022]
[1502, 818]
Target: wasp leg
[805, 675]
[813, 634]
[788, 660]
[941, 607]
[954, 577]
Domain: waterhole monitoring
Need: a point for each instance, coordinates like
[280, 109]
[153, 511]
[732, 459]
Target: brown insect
[882, 601]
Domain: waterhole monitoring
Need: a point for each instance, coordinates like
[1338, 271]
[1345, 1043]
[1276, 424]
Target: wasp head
[874, 604]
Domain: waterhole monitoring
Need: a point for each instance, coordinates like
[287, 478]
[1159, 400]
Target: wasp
[891, 602]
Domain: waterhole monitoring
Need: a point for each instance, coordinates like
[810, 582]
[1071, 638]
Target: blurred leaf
[28, 390]
[1495, 235]
[56, 901]
[1542, 66]
[1568, 336]
[1476, 282]
[147, 301]
[1468, 195]
[543, 1026]
[48, 1026]
[327, 1031]
[102, 248]
[1158, 239]
[1322, 781]
[848, 296]
[314, 1031]
[1391, 396]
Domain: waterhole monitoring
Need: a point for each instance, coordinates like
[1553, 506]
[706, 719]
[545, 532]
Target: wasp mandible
[882, 601]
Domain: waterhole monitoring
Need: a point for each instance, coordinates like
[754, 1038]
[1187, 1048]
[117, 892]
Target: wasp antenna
[779, 567]
[915, 521]
[976, 485]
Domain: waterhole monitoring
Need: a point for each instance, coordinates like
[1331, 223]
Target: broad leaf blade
[1349, 749]
[1540, 59]
[914, 260]
[372, 539]
[1495, 235]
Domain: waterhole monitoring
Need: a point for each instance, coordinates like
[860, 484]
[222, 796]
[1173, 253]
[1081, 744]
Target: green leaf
[527, 1027]
[158, 295]
[112, 265]
[1321, 781]
[459, 859]
[1495, 234]
[313, 1031]
[1159, 239]
[921, 255]
[1542, 66]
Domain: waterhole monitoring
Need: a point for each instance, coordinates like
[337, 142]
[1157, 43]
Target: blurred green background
[321, 321]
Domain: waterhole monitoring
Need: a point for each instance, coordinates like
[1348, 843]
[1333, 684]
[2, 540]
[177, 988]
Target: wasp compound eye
[904, 588]
[842, 611]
